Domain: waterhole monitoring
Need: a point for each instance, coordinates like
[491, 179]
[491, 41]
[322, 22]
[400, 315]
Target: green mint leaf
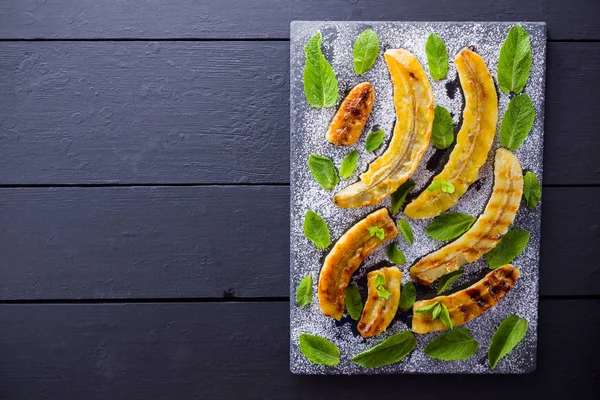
[374, 140]
[426, 309]
[380, 280]
[366, 49]
[445, 316]
[517, 121]
[320, 83]
[437, 56]
[390, 351]
[508, 248]
[304, 291]
[457, 344]
[514, 63]
[377, 231]
[319, 350]
[349, 164]
[395, 254]
[382, 292]
[436, 311]
[442, 184]
[447, 280]
[510, 332]
[316, 230]
[354, 303]
[408, 295]
[323, 170]
[532, 191]
[400, 194]
[449, 226]
[407, 231]
[442, 132]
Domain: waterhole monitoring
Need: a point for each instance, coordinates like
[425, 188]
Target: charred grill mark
[475, 295]
[413, 76]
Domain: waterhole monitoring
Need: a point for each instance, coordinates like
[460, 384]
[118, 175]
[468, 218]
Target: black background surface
[144, 200]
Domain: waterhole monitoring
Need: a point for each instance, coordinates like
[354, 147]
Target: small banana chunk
[346, 256]
[469, 303]
[379, 311]
[349, 121]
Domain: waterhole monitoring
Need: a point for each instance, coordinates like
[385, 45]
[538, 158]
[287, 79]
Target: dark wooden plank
[166, 242]
[270, 18]
[240, 351]
[181, 112]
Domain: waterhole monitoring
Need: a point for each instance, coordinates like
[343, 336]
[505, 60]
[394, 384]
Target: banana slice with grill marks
[469, 303]
[483, 236]
[473, 141]
[347, 255]
[349, 121]
[379, 311]
[413, 100]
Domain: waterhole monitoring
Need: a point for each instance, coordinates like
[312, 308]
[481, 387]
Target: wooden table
[144, 194]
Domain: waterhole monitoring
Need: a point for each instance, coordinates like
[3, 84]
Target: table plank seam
[197, 39]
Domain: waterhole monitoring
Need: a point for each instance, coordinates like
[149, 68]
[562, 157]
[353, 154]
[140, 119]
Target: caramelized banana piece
[413, 100]
[349, 121]
[483, 236]
[347, 255]
[379, 311]
[469, 303]
[473, 141]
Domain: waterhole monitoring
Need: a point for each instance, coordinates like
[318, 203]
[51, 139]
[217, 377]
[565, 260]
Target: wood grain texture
[169, 242]
[271, 18]
[218, 112]
[240, 351]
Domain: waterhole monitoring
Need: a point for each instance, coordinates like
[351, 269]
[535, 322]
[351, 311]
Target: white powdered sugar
[308, 127]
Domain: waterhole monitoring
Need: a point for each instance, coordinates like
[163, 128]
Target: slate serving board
[307, 136]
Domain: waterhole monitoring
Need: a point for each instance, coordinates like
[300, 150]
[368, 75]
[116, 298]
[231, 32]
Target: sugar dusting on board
[308, 128]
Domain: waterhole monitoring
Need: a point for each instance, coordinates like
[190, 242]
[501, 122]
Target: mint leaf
[304, 291]
[445, 316]
[349, 164]
[320, 83]
[532, 191]
[447, 280]
[517, 122]
[395, 254]
[354, 303]
[379, 280]
[437, 56]
[390, 351]
[508, 248]
[316, 230]
[457, 344]
[400, 194]
[442, 132]
[407, 231]
[426, 309]
[377, 231]
[319, 350]
[366, 49]
[408, 295]
[381, 290]
[449, 226]
[442, 184]
[323, 170]
[374, 140]
[510, 332]
[435, 312]
[514, 63]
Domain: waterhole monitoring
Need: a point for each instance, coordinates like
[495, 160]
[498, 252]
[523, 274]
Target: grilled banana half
[347, 255]
[379, 311]
[413, 100]
[473, 141]
[486, 232]
[349, 121]
[469, 303]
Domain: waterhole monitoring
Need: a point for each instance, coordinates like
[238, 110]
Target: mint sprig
[366, 49]
[457, 344]
[514, 63]
[323, 170]
[437, 310]
[380, 285]
[444, 185]
[374, 140]
[407, 231]
[395, 254]
[377, 231]
[442, 132]
[400, 194]
[349, 164]
[532, 190]
[316, 230]
[517, 122]
[390, 351]
[449, 226]
[508, 335]
[448, 280]
[354, 303]
[319, 350]
[408, 295]
[320, 83]
[304, 291]
[511, 245]
[437, 56]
